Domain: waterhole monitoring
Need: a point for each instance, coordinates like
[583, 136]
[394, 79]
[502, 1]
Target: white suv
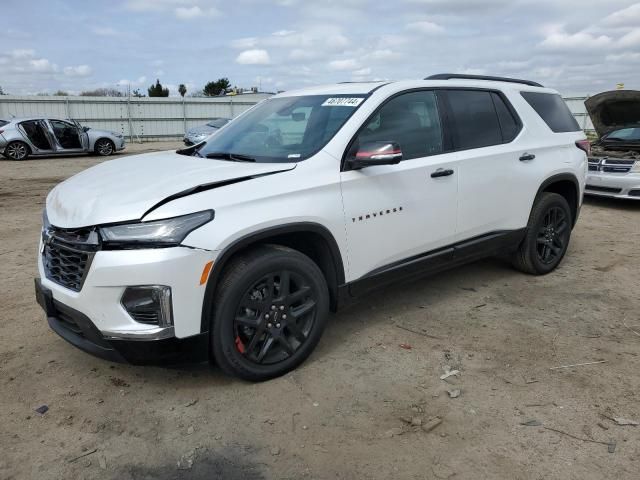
[237, 248]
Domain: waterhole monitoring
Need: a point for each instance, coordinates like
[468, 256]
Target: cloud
[363, 72]
[631, 39]
[78, 71]
[563, 41]
[189, 13]
[425, 27]
[42, 65]
[627, 17]
[253, 57]
[346, 64]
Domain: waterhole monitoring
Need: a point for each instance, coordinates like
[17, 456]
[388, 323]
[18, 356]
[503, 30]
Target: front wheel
[548, 235]
[16, 151]
[270, 311]
[104, 147]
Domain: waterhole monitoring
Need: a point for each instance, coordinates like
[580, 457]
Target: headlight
[157, 233]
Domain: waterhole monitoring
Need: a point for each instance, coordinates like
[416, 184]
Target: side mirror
[86, 129]
[370, 154]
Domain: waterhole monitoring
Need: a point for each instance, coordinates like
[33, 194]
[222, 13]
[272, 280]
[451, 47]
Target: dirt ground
[362, 406]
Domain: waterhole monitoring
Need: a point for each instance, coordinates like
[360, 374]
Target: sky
[578, 47]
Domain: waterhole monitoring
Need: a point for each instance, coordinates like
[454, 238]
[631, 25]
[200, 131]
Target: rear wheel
[104, 147]
[271, 309]
[548, 235]
[16, 151]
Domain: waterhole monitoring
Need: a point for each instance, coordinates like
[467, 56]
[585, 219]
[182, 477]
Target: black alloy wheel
[547, 235]
[551, 241]
[270, 309]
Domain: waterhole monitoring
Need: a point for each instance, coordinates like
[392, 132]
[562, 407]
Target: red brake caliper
[239, 345]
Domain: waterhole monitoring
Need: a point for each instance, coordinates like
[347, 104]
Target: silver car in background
[198, 134]
[23, 137]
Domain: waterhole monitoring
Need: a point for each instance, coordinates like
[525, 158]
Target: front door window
[66, 134]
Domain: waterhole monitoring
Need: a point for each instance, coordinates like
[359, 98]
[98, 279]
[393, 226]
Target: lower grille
[603, 189]
[67, 255]
[634, 193]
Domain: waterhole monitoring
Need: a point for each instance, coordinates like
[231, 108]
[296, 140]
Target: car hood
[202, 129]
[130, 187]
[614, 110]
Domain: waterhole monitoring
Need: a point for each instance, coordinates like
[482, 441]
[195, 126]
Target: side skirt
[432, 262]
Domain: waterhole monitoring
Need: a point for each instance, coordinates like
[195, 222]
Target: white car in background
[36, 136]
[237, 248]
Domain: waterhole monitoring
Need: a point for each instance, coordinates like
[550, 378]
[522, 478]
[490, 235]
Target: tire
[547, 237]
[258, 332]
[16, 151]
[104, 147]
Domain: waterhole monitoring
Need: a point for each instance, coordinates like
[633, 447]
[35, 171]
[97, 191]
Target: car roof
[26, 119]
[366, 88]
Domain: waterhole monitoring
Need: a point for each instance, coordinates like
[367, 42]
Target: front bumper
[78, 329]
[120, 144]
[613, 185]
[97, 312]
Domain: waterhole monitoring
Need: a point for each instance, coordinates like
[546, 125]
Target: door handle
[441, 173]
[527, 157]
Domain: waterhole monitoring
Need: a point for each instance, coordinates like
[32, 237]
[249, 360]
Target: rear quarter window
[3, 123]
[553, 111]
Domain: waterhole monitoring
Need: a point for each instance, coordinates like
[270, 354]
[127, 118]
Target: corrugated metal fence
[160, 118]
[137, 118]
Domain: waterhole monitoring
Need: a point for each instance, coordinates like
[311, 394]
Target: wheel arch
[312, 239]
[567, 185]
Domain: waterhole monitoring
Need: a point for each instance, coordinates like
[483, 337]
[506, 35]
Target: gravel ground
[365, 404]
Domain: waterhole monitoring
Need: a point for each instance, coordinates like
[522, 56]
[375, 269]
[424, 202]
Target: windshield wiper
[234, 157]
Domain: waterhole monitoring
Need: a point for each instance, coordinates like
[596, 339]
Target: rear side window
[473, 119]
[509, 124]
[553, 110]
[3, 123]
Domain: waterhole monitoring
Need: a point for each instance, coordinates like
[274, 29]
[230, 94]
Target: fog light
[149, 304]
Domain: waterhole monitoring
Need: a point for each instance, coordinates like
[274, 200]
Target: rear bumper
[78, 329]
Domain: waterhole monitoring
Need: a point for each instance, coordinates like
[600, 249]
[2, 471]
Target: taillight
[584, 145]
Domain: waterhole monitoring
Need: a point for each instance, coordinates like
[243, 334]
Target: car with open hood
[21, 138]
[237, 248]
[614, 166]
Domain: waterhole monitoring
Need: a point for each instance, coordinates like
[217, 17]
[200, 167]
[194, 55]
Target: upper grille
[67, 255]
[610, 165]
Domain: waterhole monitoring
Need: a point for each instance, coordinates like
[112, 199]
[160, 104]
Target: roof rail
[451, 76]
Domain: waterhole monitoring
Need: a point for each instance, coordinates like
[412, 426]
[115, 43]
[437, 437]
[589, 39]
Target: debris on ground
[578, 365]
[393, 432]
[449, 373]
[186, 460]
[191, 403]
[431, 424]
[275, 451]
[42, 409]
[602, 426]
[531, 423]
[190, 430]
[454, 393]
[82, 455]
[625, 421]
[611, 445]
[102, 461]
[406, 346]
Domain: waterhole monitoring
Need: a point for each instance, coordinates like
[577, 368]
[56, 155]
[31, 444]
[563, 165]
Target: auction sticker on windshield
[342, 102]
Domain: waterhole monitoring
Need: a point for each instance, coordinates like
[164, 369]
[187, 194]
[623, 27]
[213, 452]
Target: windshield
[218, 122]
[288, 129]
[625, 134]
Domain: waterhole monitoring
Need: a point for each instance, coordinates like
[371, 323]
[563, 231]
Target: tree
[137, 93]
[158, 90]
[1, 91]
[102, 92]
[182, 89]
[61, 93]
[213, 89]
